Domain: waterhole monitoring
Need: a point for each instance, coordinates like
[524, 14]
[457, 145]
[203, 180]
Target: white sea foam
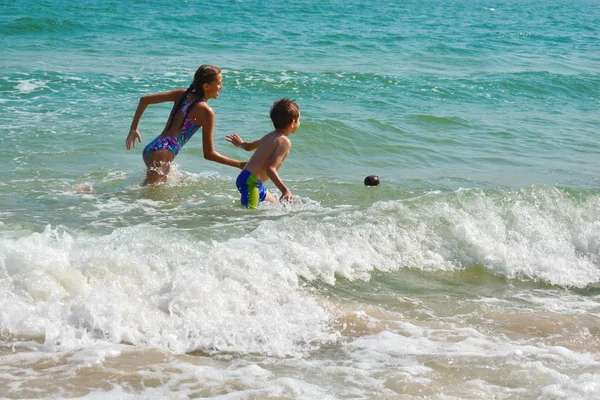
[149, 287]
[449, 348]
[161, 287]
[542, 235]
[30, 85]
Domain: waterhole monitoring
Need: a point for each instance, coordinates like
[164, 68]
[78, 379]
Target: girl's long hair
[204, 74]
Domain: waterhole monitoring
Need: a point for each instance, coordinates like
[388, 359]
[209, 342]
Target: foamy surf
[414, 296]
[471, 272]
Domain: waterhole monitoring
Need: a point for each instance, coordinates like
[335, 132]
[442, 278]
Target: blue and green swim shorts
[251, 189]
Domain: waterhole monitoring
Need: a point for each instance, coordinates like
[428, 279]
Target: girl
[190, 112]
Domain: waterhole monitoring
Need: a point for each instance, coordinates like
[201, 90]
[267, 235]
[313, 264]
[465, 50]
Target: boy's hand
[286, 196]
[234, 139]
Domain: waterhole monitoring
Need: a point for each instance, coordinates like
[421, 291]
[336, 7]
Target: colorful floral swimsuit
[173, 143]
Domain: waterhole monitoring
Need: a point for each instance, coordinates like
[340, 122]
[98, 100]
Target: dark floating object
[372, 180]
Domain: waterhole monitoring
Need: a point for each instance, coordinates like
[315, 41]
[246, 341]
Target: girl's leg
[158, 165]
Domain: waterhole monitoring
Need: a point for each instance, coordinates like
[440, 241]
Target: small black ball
[372, 180]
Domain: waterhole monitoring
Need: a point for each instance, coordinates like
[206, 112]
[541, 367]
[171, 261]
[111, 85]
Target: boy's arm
[237, 141]
[279, 155]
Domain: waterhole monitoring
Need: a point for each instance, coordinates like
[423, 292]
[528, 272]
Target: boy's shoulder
[273, 135]
[277, 137]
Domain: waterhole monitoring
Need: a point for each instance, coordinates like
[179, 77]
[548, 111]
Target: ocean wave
[31, 25]
[139, 283]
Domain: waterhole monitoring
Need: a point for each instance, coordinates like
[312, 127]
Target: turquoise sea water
[472, 272]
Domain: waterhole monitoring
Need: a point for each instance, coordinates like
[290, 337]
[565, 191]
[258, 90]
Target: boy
[271, 151]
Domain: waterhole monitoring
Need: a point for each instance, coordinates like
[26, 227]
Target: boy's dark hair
[283, 112]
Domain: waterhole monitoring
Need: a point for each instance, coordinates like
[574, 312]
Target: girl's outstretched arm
[208, 146]
[145, 101]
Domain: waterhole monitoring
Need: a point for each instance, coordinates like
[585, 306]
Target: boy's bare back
[272, 150]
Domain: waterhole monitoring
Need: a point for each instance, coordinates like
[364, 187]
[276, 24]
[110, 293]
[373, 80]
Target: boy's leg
[242, 185]
[253, 196]
[252, 190]
[270, 198]
[248, 185]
